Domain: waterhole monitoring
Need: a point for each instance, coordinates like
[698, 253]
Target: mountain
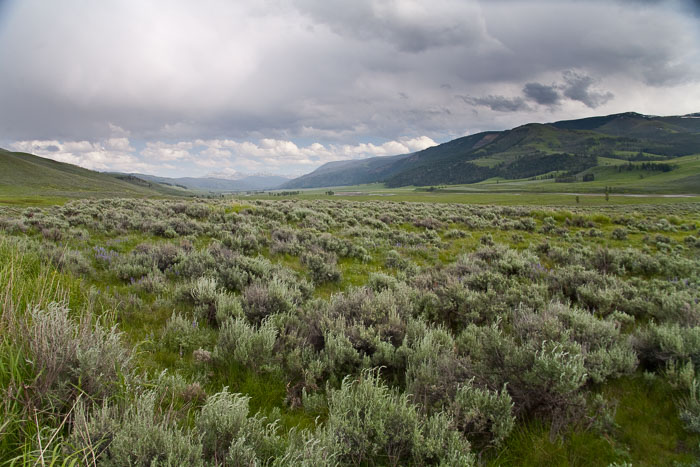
[568, 147]
[353, 172]
[215, 184]
[23, 174]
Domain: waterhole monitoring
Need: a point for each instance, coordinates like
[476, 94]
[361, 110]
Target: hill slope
[354, 172]
[570, 147]
[23, 174]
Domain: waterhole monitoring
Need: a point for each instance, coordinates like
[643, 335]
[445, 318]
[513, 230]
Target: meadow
[319, 329]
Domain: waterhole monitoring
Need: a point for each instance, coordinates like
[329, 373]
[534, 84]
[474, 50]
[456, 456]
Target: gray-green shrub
[485, 415]
[136, 435]
[70, 355]
[369, 423]
[246, 344]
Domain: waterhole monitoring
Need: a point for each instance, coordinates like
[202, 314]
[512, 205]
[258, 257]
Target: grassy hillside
[536, 149]
[619, 176]
[568, 150]
[24, 176]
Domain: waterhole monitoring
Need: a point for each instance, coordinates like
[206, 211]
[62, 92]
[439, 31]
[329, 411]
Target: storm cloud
[409, 26]
[498, 103]
[542, 94]
[579, 87]
[332, 79]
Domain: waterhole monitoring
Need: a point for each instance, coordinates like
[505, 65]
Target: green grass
[530, 444]
[26, 280]
[648, 433]
[684, 178]
[453, 195]
[648, 421]
[267, 392]
[14, 373]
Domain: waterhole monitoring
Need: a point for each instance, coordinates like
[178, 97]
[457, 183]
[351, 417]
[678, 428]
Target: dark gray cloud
[542, 93]
[498, 103]
[579, 87]
[576, 86]
[332, 72]
[409, 26]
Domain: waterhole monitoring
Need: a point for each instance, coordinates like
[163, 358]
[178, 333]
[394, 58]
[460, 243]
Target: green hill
[566, 150]
[24, 175]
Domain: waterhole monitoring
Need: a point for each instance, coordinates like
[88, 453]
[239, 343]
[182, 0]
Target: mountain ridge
[567, 146]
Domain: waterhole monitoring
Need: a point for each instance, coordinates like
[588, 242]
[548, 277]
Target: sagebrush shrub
[323, 268]
[180, 334]
[690, 408]
[433, 368]
[658, 344]
[619, 233]
[369, 423]
[265, 299]
[229, 436]
[467, 341]
[483, 414]
[136, 435]
[69, 356]
[245, 344]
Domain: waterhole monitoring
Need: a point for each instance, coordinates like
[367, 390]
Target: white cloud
[226, 156]
[161, 151]
[419, 143]
[119, 144]
[115, 154]
[280, 155]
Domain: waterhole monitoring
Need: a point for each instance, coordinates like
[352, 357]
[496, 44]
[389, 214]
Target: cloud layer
[211, 157]
[295, 83]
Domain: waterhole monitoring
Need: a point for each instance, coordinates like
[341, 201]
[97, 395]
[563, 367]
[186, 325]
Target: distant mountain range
[567, 147]
[216, 184]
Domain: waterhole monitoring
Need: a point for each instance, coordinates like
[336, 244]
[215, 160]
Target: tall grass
[24, 280]
[40, 345]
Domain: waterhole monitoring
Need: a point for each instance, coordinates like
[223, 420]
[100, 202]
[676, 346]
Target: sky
[225, 88]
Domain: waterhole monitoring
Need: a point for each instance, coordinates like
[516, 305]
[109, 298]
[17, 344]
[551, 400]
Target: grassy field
[502, 323]
[543, 332]
[462, 195]
[684, 179]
